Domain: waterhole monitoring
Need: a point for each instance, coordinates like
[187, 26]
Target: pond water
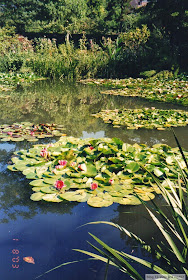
[48, 232]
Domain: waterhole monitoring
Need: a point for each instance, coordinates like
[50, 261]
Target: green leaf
[51, 198]
[133, 167]
[91, 170]
[79, 196]
[158, 172]
[100, 200]
[36, 196]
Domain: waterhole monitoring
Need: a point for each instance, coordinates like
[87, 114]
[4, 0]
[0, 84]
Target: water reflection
[72, 105]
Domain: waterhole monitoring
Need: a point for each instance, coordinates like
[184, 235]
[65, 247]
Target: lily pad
[100, 200]
[115, 172]
[28, 131]
[79, 196]
[144, 118]
[51, 197]
[37, 196]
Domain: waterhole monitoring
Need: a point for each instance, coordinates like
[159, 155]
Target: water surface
[48, 232]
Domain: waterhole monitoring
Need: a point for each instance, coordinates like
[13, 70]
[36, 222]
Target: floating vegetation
[144, 118]
[28, 131]
[99, 171]
[10, 81]
[164, 90]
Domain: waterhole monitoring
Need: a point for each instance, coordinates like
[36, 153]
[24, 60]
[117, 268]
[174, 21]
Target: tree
[171, 17]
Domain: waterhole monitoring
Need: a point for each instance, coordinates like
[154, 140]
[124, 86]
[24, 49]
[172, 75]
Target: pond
[48, 232]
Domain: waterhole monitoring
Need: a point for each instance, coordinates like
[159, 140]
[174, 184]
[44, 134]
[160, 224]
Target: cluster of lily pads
[9, 81]
[147, 118]
[175, 91]
[29, 131]
[99, 171]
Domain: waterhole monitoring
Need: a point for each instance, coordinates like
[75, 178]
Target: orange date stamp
[16, 258]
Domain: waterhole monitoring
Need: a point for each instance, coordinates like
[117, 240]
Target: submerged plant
[144, 118]
[109, 172]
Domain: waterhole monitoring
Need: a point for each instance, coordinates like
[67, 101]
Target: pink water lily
[10, 133]
[59, 184]
[59, 167]
[32, 133]
[44, 153]
[73, 164]
[62, 162]
[111, 181]
[94, 186]
[80, 167]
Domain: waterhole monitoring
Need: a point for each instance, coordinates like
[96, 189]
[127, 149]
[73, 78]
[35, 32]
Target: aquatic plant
[163, 90]
[144, 118]
[100, 171]
[10, 81]
[30, 132]
[172, 250]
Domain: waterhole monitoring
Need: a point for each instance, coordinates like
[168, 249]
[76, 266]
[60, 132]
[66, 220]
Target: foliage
[155, 34]
[170, 18]
[144, 118]
[135, 38]
[162, 87]
[28, 131]
[13, 49]
[99, 171]
[66, 61]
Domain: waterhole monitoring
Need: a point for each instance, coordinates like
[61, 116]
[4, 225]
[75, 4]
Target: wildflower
[62, 162]
[94, 186]
[59, 185]
[44, 153]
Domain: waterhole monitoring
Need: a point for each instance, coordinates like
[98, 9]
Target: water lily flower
[50, 145]
[91, 148]
[59, 167]
[180, 96]
[82, 167]
[94, 186]
[111, 181]
[32, 133]
[73, 164]
[62, 162]
[59, 184]
[44, 153]
[10, 133]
